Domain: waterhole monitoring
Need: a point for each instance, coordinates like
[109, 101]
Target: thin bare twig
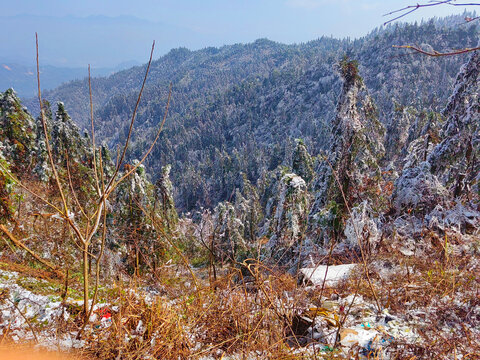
[72, 188]
[100, 254]
[134, 168]
[104, 238]
[47, 142]
[435, 53]
[93, 133]
[410, 9]
[469, 19]
[132, 121]
[24, 318]
[19, 244]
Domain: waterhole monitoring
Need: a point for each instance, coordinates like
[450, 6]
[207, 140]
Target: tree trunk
[85, 281]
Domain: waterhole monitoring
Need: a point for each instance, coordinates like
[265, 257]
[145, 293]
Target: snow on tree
[17, 131]
[17, 147]
[164, 203]
[350, 173]
[287, 221]
[302, 164]
[247, 205]
[228, 232]
[456, 159]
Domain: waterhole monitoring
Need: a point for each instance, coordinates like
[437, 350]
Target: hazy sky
[191, 23]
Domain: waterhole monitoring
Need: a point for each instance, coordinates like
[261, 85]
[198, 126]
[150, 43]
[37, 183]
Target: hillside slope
[242, 100]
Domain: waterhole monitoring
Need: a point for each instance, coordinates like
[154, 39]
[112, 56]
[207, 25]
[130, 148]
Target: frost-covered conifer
[17, 132]
[350, 172]
[137, 236]
[164, 203]
[302, 164]
[247, 205]
[456, 160]
[228, 232]
[17, 147]
[42, 168]
[285, 215]
[289, 221]
[66, 138]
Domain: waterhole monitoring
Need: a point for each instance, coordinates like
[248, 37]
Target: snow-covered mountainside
[355, 235]
[234, 101]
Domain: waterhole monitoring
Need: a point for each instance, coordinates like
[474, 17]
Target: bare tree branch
[410, 9]
[24, 318]
[132, 121]
[435, 53]
[134, 168]
[85, 233]
[21, 245]
[93, 132]
[72, 188]
[47, 142]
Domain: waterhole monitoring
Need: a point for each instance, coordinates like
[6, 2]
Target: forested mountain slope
[238, 109]
[383, 220]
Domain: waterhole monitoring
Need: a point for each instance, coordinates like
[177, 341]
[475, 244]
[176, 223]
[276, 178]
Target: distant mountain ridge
[63, 40]
[23, 78]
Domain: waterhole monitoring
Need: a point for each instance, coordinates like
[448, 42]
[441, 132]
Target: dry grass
[140, 329]
[438, 292]
[250, 314]
[229, 318]
[249, 311]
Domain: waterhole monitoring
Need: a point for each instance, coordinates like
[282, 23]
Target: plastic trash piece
[330, 317]
[345, 332]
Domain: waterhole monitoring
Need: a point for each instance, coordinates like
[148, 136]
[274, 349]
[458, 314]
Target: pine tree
[302, 162]
[350, 172]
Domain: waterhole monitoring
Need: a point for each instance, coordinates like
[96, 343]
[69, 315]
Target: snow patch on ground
[332, 274]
